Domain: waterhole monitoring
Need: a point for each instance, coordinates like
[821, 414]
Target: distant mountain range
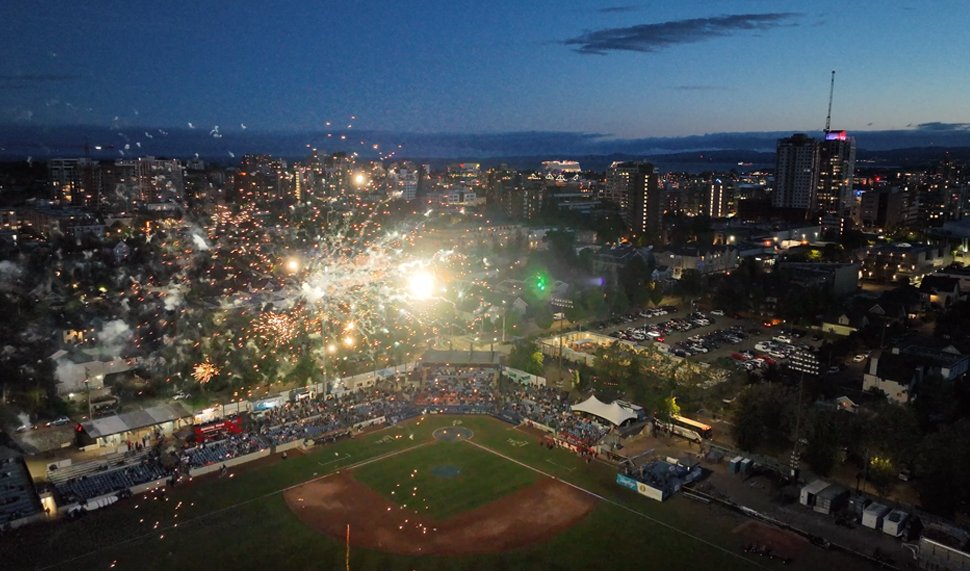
[914, 147]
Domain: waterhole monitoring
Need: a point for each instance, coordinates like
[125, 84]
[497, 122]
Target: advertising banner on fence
[626, 482]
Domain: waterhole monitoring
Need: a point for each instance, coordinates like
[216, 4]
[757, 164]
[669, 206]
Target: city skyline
[587, 76]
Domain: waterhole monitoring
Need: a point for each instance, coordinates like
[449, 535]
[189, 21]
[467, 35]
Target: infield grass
[244, 523]
[407, 479]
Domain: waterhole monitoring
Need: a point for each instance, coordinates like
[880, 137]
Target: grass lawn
[482, 477]
[244, 523]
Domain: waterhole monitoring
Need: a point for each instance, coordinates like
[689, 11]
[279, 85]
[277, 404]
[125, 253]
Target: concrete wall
[288, 446]
[148, 486]
[229, 463]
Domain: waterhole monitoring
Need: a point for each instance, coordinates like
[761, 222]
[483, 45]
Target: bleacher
[222, 450]
[17, 498]
[103, 464]
[300, 430]
[83, 488]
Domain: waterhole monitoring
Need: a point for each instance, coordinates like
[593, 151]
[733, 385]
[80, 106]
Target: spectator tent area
[117, 430]
[612, 413]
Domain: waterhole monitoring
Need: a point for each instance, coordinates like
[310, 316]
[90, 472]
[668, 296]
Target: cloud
[938, 126]
[28, 80]
[699, 88]
[653, 38]
[38, 78]
[615, 9]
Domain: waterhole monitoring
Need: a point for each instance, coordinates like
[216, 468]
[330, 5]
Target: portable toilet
[734, 466]
[894, 523]
[831, 499]
[810, 491]
[873, 515]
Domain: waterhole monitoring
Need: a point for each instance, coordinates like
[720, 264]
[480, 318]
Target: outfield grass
[244, 523]
[407, 479]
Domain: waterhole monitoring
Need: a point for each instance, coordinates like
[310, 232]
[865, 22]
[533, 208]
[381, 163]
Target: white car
[763, 346]
[654, 333]
[782, 339]
[717, 312]
[859, 358]
[776, 355]
[181, 395]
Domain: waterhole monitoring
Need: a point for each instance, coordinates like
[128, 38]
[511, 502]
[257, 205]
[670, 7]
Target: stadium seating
[16, 492]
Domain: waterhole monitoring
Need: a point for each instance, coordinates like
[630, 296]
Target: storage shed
[831, 499]
[811, 491]
[873, 515]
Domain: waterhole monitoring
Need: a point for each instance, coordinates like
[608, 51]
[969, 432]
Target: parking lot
[709, 336]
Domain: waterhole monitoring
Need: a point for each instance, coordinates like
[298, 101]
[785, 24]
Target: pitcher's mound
[524, 517]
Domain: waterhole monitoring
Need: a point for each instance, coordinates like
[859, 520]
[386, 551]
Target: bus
[686, 427]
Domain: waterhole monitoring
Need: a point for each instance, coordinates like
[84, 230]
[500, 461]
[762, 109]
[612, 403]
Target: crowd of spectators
[194, 456]
[543, 405]
[457, 386]
[588, 432]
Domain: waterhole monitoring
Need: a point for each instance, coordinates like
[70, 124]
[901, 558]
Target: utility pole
[798, 426]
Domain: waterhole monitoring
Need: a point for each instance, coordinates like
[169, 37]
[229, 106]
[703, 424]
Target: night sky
[658, 69]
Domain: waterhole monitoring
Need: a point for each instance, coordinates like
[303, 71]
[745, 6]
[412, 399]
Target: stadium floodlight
[421, 285]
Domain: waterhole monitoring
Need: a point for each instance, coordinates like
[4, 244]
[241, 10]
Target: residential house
[702, 259]
[897, 371]
[940, 290]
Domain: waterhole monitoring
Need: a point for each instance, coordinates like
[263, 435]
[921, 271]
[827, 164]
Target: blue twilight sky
[627, 71]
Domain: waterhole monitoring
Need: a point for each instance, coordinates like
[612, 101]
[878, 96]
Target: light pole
[505, 313]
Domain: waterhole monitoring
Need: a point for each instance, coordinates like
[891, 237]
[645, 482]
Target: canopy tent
[612, 413]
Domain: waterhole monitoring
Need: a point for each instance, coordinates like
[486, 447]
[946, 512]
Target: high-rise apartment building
[796, 175]
[74, 182]
[645, 210]
[716, 205]
[836, 169]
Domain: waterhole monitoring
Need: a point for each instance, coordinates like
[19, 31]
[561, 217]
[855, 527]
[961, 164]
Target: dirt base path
[524, 517]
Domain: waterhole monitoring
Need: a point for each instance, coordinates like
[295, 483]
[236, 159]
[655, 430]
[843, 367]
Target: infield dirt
[521, 518]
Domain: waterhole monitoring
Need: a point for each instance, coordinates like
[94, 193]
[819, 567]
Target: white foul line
[621, 506]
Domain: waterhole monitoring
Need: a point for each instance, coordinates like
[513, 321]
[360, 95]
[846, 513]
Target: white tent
[612, 413]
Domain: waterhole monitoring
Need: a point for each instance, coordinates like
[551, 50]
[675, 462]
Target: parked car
[181, 395]
[717, 312]
[782, 339]
[859, 358]
[833, 370]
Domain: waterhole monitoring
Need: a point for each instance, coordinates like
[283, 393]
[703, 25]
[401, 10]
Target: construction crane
[828, 118]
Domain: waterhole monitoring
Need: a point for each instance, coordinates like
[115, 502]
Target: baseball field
[440, 492]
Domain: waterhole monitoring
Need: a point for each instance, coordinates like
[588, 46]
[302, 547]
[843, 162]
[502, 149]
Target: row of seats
[16, 497]
[98, 484]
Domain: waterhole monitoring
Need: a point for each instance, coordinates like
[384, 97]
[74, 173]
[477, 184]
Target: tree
[526, 356]
[544, 317]
[822, 434]
[762, 412]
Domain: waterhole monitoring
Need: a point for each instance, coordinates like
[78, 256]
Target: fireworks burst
[204, 372]
[279, 328]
